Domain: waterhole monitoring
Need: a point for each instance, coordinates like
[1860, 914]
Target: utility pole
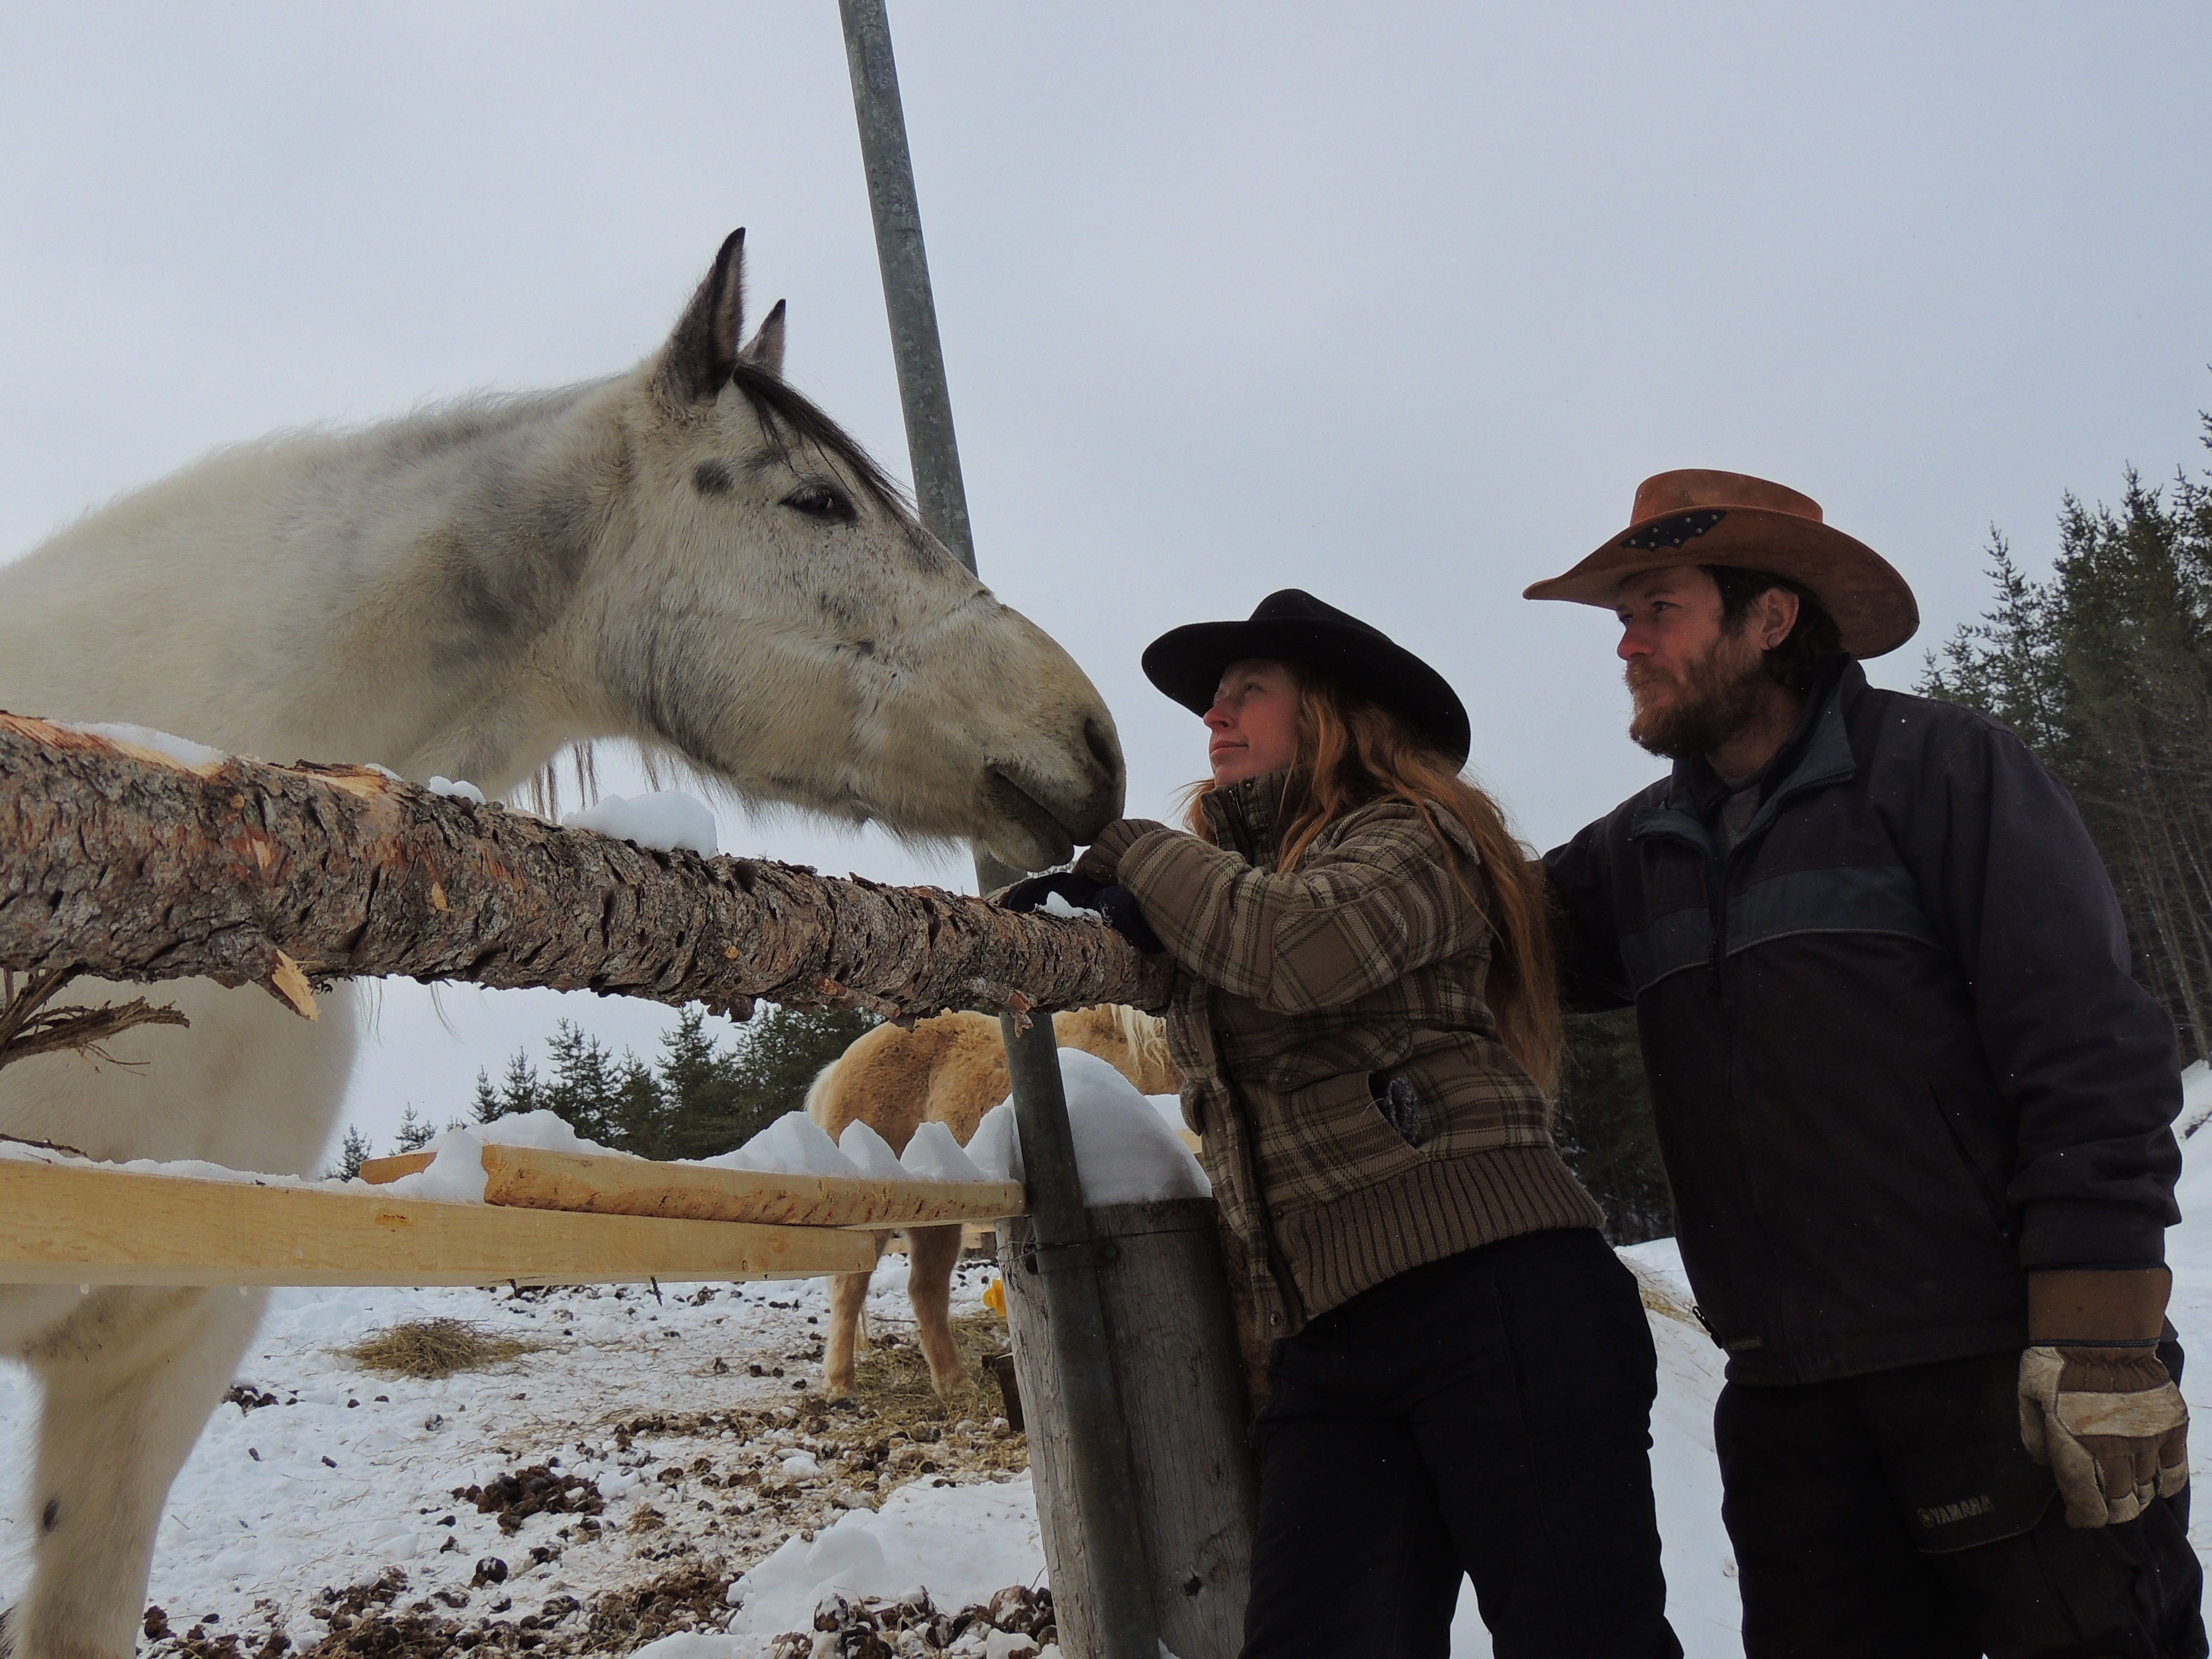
[1098, 1444]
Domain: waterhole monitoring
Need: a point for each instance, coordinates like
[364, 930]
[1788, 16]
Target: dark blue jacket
[1896, 1052]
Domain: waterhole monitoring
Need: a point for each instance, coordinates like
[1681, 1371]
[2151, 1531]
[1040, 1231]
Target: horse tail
[822, 1092]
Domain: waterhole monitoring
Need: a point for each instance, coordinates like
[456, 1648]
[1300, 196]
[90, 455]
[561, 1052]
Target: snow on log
[131, 862]
[536, 1178]
[65, 1224]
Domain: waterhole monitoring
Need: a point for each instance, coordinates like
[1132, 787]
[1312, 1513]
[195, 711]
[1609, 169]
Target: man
[1915, 1111]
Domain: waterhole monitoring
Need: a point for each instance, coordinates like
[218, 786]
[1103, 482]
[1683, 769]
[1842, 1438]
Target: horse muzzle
[1035, 823]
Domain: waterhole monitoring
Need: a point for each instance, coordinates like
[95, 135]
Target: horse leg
[931, 1252]
[127, 1383]
[849, 1307]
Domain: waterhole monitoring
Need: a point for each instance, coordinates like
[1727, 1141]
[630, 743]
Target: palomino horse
[689, 555]
[950, 1070]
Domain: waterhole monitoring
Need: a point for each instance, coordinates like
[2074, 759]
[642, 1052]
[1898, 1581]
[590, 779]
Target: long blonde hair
[1355, 753]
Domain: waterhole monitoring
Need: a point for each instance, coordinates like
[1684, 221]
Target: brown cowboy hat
[1700, 517]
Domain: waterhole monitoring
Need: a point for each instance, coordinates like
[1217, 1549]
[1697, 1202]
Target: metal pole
[1098, 1448]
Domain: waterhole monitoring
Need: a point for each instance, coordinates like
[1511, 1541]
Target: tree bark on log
[124, 863]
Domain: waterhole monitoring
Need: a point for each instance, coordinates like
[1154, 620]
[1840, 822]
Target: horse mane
[1146, 1036]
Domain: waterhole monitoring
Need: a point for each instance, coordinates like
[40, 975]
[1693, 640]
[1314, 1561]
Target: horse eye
[823, 501]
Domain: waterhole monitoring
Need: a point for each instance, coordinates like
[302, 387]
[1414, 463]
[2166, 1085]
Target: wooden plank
[64, 1224]
[528, 1177]
[1169, 1317]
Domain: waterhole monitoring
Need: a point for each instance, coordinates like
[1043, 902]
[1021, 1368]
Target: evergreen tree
[583, 1089]
[699, 1088]
[718, 1099]
[700, 1100]
[780, 1052]
[487, 1104]
[521, 1091]
[415, 1133]
[1605, 1127]
[353, 1152]
[2106, 670]
[638, 1117]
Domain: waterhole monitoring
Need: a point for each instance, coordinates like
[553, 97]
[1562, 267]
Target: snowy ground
[706, 1470]
[700, 1462]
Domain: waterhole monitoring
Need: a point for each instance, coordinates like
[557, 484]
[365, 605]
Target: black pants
[1487, 1414]
[1836, 1492]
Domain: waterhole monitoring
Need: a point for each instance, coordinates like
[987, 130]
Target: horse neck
[390, 595]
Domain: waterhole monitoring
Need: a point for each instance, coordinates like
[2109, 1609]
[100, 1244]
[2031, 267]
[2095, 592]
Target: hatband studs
[1677, 532]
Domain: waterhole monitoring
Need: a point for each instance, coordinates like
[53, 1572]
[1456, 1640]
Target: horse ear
[697, 361]
[765, 351]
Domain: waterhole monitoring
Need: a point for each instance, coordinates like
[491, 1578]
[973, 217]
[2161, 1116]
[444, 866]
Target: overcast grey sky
[1392, 303]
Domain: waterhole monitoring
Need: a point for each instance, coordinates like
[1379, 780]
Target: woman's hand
[1117, 904]
[1102, 860]
[1079, 891]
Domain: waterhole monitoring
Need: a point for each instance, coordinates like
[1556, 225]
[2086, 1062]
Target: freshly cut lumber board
[527, 1177]
[65, 1224]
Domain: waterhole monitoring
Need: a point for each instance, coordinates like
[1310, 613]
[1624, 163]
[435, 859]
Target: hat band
[1678, 532]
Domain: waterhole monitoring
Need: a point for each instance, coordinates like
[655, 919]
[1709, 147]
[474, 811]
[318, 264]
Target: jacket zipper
[1717, 878]
[1992, 1198]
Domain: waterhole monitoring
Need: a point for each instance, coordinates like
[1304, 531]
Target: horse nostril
[1103, 748]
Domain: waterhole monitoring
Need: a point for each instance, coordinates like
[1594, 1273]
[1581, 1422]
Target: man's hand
[2111, 1425]
[2096, 1403]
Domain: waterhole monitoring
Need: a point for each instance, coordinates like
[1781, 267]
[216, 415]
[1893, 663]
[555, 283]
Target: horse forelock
[787, 414]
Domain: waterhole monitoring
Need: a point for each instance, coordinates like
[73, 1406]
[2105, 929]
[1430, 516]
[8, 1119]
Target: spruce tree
[582, 1089]
[721, 1098]
[639, 1116]
[487, 1104]
[699, 1089]
[2106, 670]
[519, 1092]
[415, 1133]
[782, 1050]
[698, 1101]
[353, 1152]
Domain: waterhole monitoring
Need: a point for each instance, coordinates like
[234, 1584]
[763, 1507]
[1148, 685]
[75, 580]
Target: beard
[1717, 696]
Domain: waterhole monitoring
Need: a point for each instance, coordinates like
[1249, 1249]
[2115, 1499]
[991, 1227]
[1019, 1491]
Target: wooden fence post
[1175, 1351]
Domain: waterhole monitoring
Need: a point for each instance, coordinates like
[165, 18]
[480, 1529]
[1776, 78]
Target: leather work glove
[1102, 860]
[2096, 1404]
[1117, 904]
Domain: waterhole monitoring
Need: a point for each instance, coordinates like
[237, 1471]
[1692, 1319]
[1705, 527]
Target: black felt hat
[1292, 626]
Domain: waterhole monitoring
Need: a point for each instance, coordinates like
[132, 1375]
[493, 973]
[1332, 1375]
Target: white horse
[690, 555]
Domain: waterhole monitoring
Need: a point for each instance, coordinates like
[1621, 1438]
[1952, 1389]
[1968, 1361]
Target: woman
[1461, 1373]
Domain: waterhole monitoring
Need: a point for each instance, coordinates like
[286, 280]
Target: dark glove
[1031, 893]
[1117, 904]
[2096, 1404]
[1102, 860]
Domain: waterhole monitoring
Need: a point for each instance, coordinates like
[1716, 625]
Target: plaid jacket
[1360, 1116]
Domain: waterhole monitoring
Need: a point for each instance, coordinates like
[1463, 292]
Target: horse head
[773, 611]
